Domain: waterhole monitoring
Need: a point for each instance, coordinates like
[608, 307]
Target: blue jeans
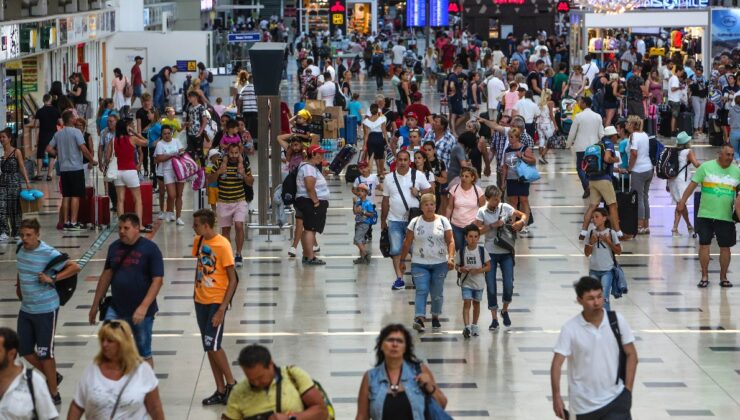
[506, 261]
[606, 283]
[397, 233]
[429, 278]
[581, 173]
[458, 234]
[142, 332]
[159, 94]
[735, 142]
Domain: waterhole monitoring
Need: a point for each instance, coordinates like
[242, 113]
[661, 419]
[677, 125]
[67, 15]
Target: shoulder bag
[614, 324]
[106, 301]
[120, 393]
[111, 172]
[29, 384]
[505, 235]
[619, 282]
[432, 409]
[525, 171]
[128, 89]
[413, 211]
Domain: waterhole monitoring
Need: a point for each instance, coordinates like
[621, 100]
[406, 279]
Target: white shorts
[169, 177]
[128, 178]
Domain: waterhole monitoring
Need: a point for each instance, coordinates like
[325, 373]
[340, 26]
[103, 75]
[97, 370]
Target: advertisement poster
[416, 13]
[439, 14]
[361, 18]
[725, 30]
[30, 68]
[62, 34]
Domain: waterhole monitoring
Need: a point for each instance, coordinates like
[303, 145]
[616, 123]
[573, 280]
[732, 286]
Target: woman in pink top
[511, 97]
[118, 87]
[463, 204]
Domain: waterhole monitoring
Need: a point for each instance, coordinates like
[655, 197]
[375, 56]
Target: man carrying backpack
[598, 165]
[587, 129]
[35, 288]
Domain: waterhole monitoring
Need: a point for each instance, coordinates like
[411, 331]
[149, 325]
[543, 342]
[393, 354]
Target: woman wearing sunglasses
[118, 384]
[396, 387]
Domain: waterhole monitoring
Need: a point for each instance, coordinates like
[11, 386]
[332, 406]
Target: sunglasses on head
[112, 323]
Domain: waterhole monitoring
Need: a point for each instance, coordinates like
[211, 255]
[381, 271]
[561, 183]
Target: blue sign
[674, 4]
[725, 30]
[244, 37]
[439, 15]
[416, 13]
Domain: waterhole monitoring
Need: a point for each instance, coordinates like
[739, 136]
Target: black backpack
[290, 186]
[339, 99]
[667, 167]
[417, 67]
[65, 288]
[209, 77]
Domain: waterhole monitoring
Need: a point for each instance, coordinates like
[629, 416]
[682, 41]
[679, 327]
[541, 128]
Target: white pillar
[131, 15]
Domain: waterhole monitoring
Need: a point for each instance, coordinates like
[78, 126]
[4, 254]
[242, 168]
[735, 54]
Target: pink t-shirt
[510, 100]
[466, 205]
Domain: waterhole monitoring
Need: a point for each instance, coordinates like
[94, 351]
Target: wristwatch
[292, 418]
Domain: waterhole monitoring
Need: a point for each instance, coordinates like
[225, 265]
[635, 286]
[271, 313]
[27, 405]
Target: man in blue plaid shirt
[442, 138]
[499, 139]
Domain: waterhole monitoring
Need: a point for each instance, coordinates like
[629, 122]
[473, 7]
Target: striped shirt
[248, 98]
[38, 298]
[231, 186]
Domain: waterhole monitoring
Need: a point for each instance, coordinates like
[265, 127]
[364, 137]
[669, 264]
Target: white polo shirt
[397, 211]
[593, 361]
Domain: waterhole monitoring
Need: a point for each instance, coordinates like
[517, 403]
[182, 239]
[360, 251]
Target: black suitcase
[651, 126]
[697, 202]
[715, 132]
[344, 156]
[685, 122]
[627, 211]
[352, 172]
[664, 122]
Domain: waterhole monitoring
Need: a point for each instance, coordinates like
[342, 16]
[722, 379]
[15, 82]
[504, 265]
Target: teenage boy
[215, 283]
[365, 217]
[473, 263]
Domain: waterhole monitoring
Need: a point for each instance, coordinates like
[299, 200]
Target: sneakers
[238, 260]
[436, 326]
[57, 399]
[419, 325]
[162, 215]
[543, 161]
[217, 398]
[586, 194]
[466, 333]
[398, 285]
[475, 330]
[314, 261]
[4, 238]
[494, 325]
[316, 248]
[291, 251]
[60, 378]
[73, 227]
[524, 231]
[507, 320]
[179, 222]
[364, 259]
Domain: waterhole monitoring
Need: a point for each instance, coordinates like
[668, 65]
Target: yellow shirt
[246, 401]
[211, 279]
[174, 123]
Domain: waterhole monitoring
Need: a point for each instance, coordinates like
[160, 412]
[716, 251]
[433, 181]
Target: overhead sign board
[439, 14]
[416, 13]
[338, 16]
[244, 37]
[674, 4]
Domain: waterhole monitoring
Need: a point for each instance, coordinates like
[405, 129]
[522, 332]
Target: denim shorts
[472, 294]
[142, 332]
[396, 233]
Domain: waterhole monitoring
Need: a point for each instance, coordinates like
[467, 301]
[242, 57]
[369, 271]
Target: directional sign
[415, 13]
[244, 37]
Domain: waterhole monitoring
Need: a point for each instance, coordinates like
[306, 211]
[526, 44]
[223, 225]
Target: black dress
[397, 407]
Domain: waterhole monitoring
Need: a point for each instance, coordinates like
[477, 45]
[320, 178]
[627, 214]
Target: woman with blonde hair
[118, 384]
[430, 65]
[241, 80]
[545, 125]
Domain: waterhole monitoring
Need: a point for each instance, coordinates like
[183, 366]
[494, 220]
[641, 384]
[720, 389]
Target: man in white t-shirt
[327, 91]
[590, 69]
[397, 200]
[599, 386]
[398, 51]
[527, 109]
[494, 88]
[674, 96]
[16, 400]
[312, 67]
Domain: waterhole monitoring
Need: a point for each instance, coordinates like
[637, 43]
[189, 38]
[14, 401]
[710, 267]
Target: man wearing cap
[402, 133]
[136, 80]
[601, 187]
[418, 108]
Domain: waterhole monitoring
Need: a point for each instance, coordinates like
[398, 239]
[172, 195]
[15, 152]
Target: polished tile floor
[325, 319]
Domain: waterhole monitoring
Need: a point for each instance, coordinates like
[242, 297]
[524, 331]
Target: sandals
[703, 284]
[675, 233]
[313, 261]
[725, 283]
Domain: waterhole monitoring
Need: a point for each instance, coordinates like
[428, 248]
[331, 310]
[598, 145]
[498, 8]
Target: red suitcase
[146, 201]
[84, 216]
[99, 207]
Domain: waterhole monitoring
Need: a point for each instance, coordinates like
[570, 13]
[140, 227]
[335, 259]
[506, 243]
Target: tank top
[609, 93]
[125, 153]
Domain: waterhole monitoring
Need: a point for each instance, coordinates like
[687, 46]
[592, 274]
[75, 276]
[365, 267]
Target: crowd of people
[422, 168]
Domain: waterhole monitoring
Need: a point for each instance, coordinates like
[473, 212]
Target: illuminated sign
[337, 20]
[453, 8]
[416, 13]
[563, 6]
[508, 1]
[439, 14]
[674, 4]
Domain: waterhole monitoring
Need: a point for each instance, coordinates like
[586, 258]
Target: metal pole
[275, 163]
[263, 169]
[427, 26]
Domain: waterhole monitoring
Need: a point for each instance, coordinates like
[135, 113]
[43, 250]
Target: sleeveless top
[11, 172]
[609, 93]
[125, 153]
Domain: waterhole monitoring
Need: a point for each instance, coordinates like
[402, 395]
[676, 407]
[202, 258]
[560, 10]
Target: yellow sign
[337, 19]
[192, 66]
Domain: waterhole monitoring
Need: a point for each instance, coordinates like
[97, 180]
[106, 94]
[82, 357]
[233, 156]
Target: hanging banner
[338, 17]
[725, 30]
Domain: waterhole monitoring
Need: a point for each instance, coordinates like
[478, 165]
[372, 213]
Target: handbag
[619, 282]
[527, 172]
[184, 166]
[505, 235]
[106, 302]
[128, 89]
[413, 211]
[111, 171]
[385, 243]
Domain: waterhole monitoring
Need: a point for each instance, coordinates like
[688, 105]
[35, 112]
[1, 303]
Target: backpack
[593, 160]
[327, 401]
[339, 99]
[481, 251]
[667, 165]
[417, 67]
[65, 288]
[290, 186]
[409, 59]
[209, 77]
[656, 149]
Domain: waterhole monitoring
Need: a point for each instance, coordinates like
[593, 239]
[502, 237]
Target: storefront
[680, 33]
[362, 16]
[34, 53]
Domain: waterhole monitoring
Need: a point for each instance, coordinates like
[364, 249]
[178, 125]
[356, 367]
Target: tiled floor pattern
[326, 318]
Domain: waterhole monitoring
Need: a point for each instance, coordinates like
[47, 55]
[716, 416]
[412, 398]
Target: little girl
[511, 98]
[601, 245]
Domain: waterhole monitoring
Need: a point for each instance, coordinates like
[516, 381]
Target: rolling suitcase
[146, 202]
[350, 128]
[664, 122]
[685, 122]
[627, 211]
[100, 207]
[651, 126]
[715, 132]
[84, 215]
[342, 159]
